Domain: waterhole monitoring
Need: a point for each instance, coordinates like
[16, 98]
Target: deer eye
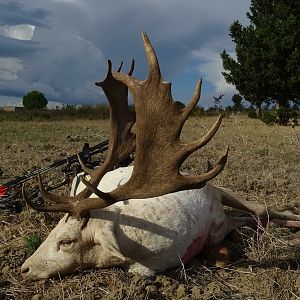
[65, 245]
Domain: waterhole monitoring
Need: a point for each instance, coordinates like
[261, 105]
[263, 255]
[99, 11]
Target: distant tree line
[101, 111]
[67, 112]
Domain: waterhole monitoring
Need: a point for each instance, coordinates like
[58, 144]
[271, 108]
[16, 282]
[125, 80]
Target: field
[263, 166]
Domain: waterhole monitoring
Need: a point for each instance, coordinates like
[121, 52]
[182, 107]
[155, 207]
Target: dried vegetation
[264, 165]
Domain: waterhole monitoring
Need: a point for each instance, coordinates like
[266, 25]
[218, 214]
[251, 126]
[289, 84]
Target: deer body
[145, 235]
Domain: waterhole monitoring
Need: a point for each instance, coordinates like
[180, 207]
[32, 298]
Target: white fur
[145, 235]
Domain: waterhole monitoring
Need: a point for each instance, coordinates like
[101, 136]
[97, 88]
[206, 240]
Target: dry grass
[264, 165]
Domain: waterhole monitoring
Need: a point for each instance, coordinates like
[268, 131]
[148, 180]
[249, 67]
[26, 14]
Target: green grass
[32, 242]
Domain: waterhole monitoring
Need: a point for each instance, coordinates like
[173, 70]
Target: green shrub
[284, 114]
[32, 242]
[252, 113]
[268, 117]
[280, 116]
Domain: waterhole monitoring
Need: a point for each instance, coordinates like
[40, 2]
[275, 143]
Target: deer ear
[108, 256]
[108, 253]
[106, 245]
[115, 258]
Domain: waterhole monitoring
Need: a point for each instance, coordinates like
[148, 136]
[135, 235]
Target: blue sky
[60, 47]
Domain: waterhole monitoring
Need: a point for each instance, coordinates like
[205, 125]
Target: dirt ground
[263, 165]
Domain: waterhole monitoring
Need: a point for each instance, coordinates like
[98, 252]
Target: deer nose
[25, 270]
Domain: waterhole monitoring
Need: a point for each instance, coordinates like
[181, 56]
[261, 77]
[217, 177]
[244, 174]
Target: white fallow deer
[147, 217]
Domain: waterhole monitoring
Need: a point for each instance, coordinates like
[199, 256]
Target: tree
[267, 53]
[34, 100]
[237, 100]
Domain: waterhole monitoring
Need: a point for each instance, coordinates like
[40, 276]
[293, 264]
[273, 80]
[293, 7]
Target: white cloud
[22, 32]
[211, 68]
[209, 65]
[9, 67]
[65, 70]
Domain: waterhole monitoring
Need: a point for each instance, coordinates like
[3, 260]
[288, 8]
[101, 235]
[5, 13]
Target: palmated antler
[159, 151]
[121, 144]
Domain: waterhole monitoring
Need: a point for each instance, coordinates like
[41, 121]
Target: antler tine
[192, 147]
[195, 99]
[63, 204]
[184, 113]
[108, 74]
[131, 68]
[197, 181]
[49, 196]
[84, 168]
[120, 67]
[64, 207]
[153, 65]
[106, 199]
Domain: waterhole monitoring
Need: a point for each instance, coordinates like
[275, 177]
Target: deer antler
[159, 151]
[121, 144]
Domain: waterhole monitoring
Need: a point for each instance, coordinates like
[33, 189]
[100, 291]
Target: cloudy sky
[60, 47]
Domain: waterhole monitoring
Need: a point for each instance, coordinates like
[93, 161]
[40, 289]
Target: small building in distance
[9, 108]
